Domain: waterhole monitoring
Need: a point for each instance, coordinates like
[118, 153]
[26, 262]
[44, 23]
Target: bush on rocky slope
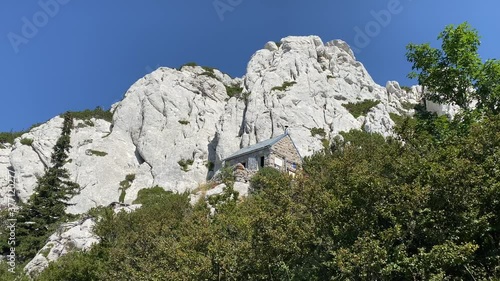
[367, 206]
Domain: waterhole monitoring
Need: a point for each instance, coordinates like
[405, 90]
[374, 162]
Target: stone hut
[279, 152]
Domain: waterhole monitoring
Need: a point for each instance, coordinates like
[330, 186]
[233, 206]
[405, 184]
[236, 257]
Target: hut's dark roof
[256, 147]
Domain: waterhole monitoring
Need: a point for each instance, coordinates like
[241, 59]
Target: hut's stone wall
[282, 155]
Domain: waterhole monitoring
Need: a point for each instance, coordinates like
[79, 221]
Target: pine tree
[40, 216]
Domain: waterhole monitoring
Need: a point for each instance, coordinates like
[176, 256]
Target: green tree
[45, 209]
[455, 73]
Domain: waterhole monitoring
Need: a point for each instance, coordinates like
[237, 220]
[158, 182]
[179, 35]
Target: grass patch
[210, 166]
[124, 185]
[192, 64]
[325, 143]
[360, 108]
[96, 153]
[234, 91]
[408, 105]
[26, 141]
[97, 113]
[204, 187]
[9, 137]
[183, 122]
[329, 76]
[398, 119]
[209, 74]
[406, 88]
[208, 69]
[149, 196]
[45, 252]
[318, 131]
[284, 87]
[185, 164]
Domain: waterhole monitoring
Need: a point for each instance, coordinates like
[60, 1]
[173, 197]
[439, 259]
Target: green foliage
[408, 105]
[208, 69]
[192, 64]
[130, 177]
[284, 87]
[210, 74]
[89, 123]
[184, 122]
[151, 195]
[45, 209]
[97, 113]
[370, 208]
[398, 119]
[234, 91]
[360, 108]
[406, 88]
[9, 137]
[318, 131]
[278, 43]
[185, 164]
[423, 205]
[124, 185]
[9, 274]
[210, 166]
[268, 177]
[227, 175]
[76, 266]
[26, 141]
[96, 152]
[455, 73]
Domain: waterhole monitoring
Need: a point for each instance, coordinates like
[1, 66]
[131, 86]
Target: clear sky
[59, 55]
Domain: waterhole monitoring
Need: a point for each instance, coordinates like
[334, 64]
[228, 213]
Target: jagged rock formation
[73, 236]
[70, 237]
[172, 125]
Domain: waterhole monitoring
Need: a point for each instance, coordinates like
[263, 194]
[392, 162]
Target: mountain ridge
[201, 115]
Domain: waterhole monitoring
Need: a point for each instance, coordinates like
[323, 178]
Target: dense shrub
[318, 131]
[97, 113]
[45, 209]
[9, 137]
[26, 141]
[124, 185]
[234, 91]
[360, 108]
[268, 177]
[406, 88]
[284, 86]
[185, 164]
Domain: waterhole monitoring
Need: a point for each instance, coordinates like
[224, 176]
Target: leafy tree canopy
[455, 73]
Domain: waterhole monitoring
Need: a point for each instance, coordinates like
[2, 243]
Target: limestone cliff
[198, 115]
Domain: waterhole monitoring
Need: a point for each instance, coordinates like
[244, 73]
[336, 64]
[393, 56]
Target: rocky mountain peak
[174, 127]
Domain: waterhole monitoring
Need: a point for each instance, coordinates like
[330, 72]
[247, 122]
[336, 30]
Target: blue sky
[59, 55]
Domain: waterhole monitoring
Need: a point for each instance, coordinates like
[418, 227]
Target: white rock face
[173, 118]
[73, 236]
